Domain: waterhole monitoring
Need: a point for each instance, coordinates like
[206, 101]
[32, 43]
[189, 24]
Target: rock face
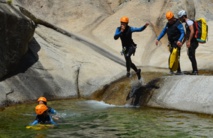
[186, 93]
[98, 20]
[60, 66]
[15, 33]
[88, 58]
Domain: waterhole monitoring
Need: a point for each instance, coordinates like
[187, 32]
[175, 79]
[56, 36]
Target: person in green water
[43, 116]
[43, 100]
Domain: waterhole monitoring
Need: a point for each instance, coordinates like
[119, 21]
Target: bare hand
[188, 44]
[146, 24]
[122, 28]
[179, 43]
[55, 117]
[156, 42]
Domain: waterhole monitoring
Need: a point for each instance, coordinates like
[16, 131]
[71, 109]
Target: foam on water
[97, 104]
[102, 105]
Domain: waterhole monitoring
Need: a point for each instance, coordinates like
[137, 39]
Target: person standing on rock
[124, 32]
[191, 41]
[175, 33]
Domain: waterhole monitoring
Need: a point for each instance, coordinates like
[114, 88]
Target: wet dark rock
[140, 94]
[15, 32]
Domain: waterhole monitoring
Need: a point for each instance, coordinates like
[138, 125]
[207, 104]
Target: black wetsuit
[173, 36]
[128, 45]
[175, 32]
[43, 119]
[192, 49]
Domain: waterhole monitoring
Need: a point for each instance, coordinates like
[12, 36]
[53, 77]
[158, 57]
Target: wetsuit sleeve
[52, 111]
[180, 28]
[163, 32]
[51, 121]
[135, 29]
[34, 123]
[117, 33]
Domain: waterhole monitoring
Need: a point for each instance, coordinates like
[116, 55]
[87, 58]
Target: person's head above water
[42, 100]
[40, 109]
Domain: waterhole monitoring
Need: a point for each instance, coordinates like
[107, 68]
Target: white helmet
[181, 13]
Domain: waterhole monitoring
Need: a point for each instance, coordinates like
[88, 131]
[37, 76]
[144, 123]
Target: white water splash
[102, 105]
[97, 104]
[130, 106]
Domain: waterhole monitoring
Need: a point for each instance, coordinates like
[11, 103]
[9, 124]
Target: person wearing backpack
[191, 41]
[124, 32]
[175, 32]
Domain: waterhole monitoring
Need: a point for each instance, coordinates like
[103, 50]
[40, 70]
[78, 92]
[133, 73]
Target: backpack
[201, 30]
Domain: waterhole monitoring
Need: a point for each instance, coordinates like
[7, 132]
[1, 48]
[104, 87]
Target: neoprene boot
[128, 74]
[139, 74]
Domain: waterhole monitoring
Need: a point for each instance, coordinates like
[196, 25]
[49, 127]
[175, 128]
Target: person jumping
[124, 32]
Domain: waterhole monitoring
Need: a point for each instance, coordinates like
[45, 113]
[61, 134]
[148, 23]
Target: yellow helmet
[124, 19]
[42, 99]
[40, 109]
[169, 15]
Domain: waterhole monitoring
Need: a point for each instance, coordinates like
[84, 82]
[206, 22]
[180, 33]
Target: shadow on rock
[30, 58]
[140, 94]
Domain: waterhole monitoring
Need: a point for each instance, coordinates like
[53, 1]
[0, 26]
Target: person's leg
[191, 55]
[133, 66]
[179, 69]
[128, 65]
[129, 62]
[130, 52]
[138, 71]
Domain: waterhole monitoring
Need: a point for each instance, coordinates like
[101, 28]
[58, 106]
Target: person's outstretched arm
[51, 121]
[35, 122]
[136, 29]
[163, 32]
[51, 110]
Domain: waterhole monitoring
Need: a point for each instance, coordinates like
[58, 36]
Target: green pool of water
[92, 119]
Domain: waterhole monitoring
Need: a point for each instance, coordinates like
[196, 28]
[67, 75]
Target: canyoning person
[43, 116]
[175, 32]
[191, 41]
[124, 32]
[43, 100]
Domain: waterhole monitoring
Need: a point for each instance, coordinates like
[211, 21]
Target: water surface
[93, 119]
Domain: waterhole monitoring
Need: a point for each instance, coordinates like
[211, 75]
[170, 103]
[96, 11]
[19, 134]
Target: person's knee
[191, 57]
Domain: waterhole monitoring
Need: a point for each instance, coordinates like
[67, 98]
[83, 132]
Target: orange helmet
[42, 99]
[169, 15]
[40, 109]
[124, 19]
